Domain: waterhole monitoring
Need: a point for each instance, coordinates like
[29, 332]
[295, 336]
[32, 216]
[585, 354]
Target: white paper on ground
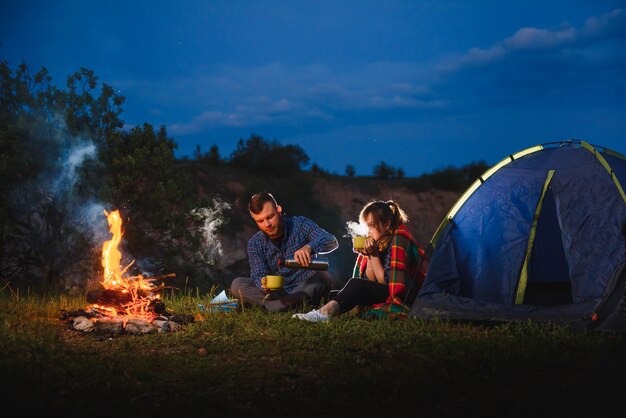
[221, 298]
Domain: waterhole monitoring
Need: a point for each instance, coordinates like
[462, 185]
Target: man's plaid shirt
[264, 253]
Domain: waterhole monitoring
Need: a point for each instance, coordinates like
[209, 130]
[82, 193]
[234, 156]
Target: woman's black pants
[360, 292]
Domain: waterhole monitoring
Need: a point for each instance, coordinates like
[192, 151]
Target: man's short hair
[258, 200]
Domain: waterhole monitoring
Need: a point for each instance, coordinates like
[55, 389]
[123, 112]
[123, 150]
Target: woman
[388, 272]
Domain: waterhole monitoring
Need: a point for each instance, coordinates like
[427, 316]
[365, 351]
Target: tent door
[545, 278]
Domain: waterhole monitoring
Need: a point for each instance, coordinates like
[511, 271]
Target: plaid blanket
[406, 273]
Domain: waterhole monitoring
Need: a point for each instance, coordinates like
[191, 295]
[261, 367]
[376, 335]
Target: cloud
[597, 30]
[294, 95]
[536, 65]
[532, 38]
[251, 111]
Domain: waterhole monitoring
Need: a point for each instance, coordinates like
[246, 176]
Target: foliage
[93, 117]
[452, 178]
[270, 157]
[211, 157]
[385, 171]
[316, 170]
[143, 180]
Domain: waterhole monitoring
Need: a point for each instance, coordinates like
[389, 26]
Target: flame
[111, 256]
[115, 278]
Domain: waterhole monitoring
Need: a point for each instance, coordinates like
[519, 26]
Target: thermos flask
[317, 263]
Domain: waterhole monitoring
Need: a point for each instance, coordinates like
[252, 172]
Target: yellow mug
[358, 243]
[273, 282]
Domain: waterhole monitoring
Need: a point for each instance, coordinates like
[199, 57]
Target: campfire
[122, 302]
[136, 297]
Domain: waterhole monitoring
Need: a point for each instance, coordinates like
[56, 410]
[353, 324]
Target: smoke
[69, 164]
[354, 229]
[88, 214]
[209, 220]
[91, 215]
[148, 266]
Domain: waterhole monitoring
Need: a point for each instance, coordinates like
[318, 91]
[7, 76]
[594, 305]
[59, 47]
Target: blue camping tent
[540, 236]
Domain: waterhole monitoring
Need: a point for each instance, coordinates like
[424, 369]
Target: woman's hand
[370, 249]
[374, 270]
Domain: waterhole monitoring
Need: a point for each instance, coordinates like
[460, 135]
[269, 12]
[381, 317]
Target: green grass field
[260, 364]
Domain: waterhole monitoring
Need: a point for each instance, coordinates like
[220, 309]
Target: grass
[261, 364]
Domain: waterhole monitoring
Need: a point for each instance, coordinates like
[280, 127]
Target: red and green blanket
[407, 270]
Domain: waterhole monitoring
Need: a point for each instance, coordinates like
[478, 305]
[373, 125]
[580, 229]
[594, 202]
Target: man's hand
[264, 285]
[303, 255]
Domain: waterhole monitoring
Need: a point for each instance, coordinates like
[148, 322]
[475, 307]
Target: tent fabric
[539, 236]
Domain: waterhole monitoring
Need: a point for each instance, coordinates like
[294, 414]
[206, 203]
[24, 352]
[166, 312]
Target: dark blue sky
[421, 85]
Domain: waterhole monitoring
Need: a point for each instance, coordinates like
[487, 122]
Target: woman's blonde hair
[387, 215]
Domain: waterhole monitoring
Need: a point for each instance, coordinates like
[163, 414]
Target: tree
[251, 153]
[44, 235]
[269, 157]
[457, 179]
[95, 117]
[197, 153]
[452, 178]
[142, 177]
[213, 156]
[350, 171]
[317, 170]
[384, 171]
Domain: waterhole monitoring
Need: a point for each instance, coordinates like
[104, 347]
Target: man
[281, 237]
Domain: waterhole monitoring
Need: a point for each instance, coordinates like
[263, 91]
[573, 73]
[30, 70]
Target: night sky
[420, 85]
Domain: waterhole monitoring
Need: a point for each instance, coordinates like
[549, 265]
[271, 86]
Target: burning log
[99, 295]
[119, 299]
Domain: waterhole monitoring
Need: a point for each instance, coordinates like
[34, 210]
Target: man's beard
[275, 232]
